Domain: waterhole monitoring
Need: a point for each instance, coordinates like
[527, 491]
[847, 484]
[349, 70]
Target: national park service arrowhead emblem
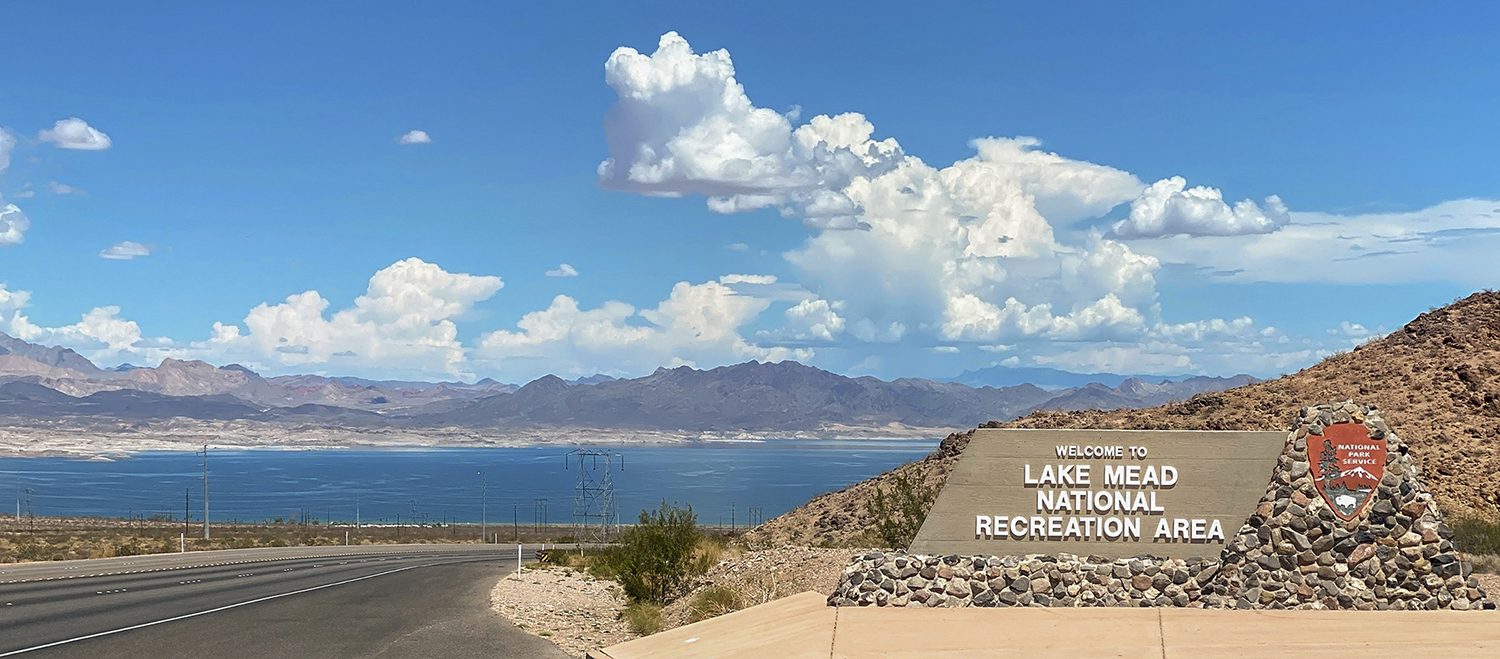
[1346, 466]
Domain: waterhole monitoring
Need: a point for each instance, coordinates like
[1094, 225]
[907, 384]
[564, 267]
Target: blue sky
[254, 154]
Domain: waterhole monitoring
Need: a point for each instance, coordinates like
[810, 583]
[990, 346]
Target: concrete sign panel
[1178, 494]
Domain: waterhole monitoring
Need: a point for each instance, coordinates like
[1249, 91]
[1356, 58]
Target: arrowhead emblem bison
[1346, 466]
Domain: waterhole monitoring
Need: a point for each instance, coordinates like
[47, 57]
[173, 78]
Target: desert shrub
[643, 618]
[1476, 535]
[124, 547]
[710, 550]
[896, 514]
[594, 562]
[657, 557]
[713, 601]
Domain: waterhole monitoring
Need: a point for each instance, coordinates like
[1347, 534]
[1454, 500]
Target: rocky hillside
[1437, 381]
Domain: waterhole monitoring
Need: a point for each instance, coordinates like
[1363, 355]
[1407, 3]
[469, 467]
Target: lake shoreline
[23, 442]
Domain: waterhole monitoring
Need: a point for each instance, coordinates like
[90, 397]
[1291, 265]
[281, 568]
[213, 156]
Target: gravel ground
[576, 612]
[1490, 583]
[579, 613]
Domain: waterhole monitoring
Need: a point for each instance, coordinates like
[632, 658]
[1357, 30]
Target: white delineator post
[518, 561]
[182, 544]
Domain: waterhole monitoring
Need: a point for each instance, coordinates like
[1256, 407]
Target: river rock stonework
[1294, 551]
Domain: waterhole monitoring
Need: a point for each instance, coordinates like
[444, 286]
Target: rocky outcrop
[1294, 551]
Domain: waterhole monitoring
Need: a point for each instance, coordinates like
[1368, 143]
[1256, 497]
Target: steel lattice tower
[594, 492]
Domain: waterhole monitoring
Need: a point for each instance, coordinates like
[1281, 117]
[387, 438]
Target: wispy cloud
[128, 250]
[58, 188]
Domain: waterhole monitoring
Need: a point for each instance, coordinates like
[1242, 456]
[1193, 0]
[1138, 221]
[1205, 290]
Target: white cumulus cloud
[414, 137]
[405, 321]
[563, 270]
[1168, 207]
[1065, 190]
[13, 225]
[815, 319]
[75, 133]
[125, 251]
[99, 334]
[697, 324]
[968, 251]
[684, 125]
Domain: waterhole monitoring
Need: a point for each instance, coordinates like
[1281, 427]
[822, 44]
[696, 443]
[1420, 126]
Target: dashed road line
[169, 568]
[208, 611]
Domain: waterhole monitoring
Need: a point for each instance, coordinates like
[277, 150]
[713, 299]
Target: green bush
[655, 558]
[643, 618]
[1475, 535]
[899, 513]
[713, 601]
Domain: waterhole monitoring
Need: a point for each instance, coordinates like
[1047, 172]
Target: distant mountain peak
[54, 356]
[547, 382]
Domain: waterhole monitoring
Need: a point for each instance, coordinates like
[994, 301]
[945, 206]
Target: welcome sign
[1115, 493]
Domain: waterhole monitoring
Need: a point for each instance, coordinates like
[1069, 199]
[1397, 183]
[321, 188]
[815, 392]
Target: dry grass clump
[644, 618]
[713, 601]
[1476, 535]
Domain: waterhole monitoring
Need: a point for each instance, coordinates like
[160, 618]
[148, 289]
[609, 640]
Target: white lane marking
[169, 568]
[206, 612]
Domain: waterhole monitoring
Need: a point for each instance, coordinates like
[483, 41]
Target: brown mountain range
[1437, 381]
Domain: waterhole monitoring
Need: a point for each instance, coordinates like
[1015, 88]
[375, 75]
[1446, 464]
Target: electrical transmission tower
[594, 492]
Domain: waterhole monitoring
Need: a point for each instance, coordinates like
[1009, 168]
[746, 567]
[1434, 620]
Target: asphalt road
[385, 601]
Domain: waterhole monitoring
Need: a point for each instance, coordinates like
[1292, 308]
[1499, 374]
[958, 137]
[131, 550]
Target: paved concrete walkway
[804, 626]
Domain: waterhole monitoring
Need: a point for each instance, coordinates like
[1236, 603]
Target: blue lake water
[715, 478]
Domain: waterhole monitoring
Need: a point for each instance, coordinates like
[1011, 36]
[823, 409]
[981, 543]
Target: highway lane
[302, 602]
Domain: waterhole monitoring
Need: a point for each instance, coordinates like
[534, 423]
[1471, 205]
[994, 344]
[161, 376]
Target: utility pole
[541, 513]
[185, 496]
[484, 528]
[356, 510]
[205, 492]
[18, 500]
[515, 520]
